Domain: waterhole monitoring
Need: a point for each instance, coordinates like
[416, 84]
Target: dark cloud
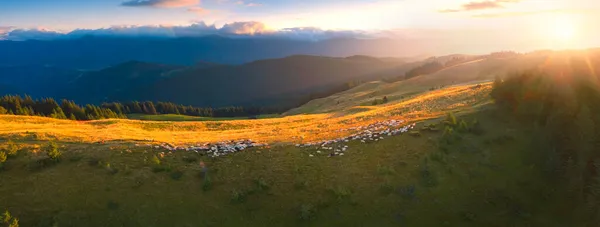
[480, 5]
[233, 30]
[161, 3]
[27, 34]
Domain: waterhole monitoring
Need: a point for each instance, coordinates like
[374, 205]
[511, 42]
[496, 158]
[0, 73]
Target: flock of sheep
[335, 147]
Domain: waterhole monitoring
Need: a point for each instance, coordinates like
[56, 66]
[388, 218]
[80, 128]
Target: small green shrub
[12, 148]
[6, 217]
[176, 175]
[428, 178]
[307, 212]
[341, 193]
[3, 157]
[112, 205]
[207, 184]
[415, 133]
[94, 161]
[463, 127]
[386, 188]
[52, 151]
[155, 160]
[111, 170]
[189, 159]
[261, 184]
[450, 120]
[476, 128]
[301, 185]
[14, 223]
[238, 196]
[385, 170]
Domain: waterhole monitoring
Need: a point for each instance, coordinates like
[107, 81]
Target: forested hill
[284, 82]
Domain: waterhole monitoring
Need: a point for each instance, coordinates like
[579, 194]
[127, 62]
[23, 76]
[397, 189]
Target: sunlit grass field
[289, 129]
[482, 180]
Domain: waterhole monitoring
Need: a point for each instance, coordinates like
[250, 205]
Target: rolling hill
[479, 70]
[283, 81]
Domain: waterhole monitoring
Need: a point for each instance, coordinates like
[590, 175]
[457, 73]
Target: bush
[52, 151]
[386, 188]
[261, 184]
[341, 193]
[450, 120]
[176, 175]
[476, 128]
[307, 212]
[238, 196]
[207, 184]
[463, 126]
[155, 160]
[12, 148]
[6, 217]
[3, 157]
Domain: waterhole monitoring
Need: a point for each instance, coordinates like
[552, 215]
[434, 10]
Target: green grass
[175, 117]
[480, 180]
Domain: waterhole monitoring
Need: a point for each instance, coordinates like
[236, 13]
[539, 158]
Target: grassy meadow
[482, 179]
[289, 129]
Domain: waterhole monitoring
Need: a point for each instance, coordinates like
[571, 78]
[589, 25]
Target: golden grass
[290, 129]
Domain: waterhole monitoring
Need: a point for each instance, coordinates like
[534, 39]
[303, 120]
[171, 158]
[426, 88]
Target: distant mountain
[34, 80]
[99, 52]
[99, 86]
[270, 82]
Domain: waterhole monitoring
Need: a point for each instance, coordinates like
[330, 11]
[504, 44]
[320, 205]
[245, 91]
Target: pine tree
[6, 217]
[12, 148]
[3, 157]
[52, 151]
[3, 110]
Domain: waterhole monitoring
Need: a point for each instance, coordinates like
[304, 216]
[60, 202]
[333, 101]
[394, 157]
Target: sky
[515, 24]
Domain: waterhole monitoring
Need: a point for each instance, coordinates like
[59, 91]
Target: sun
[562, 28]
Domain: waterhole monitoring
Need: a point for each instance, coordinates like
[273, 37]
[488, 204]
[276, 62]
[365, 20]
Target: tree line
[67, 109]
[564, 116]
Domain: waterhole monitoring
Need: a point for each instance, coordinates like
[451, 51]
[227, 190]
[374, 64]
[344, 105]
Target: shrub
[386, 188]
[307, 212]
[155, 160]
[52, 151]
[14, 223]
[111, 170]
[341, 193]
[414, 133]
[386, 170]
[261, 184]
[3, 157]
[300, 185]
[12, 148]
[207, 184]
[476, 128]
[450, 120]
[238, 196]
[463, 126]
[6, 217]
[176, 175]
[427, 176]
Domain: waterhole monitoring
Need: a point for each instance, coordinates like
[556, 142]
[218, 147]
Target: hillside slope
[470, 72]
[281, 81]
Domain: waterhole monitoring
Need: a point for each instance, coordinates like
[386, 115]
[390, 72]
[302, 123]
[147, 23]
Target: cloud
[248, 4]
[198, 10]
[27, 34]
[246, 28]
[528, 13]
[161, 3]
[199, 29]
[480, 5]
